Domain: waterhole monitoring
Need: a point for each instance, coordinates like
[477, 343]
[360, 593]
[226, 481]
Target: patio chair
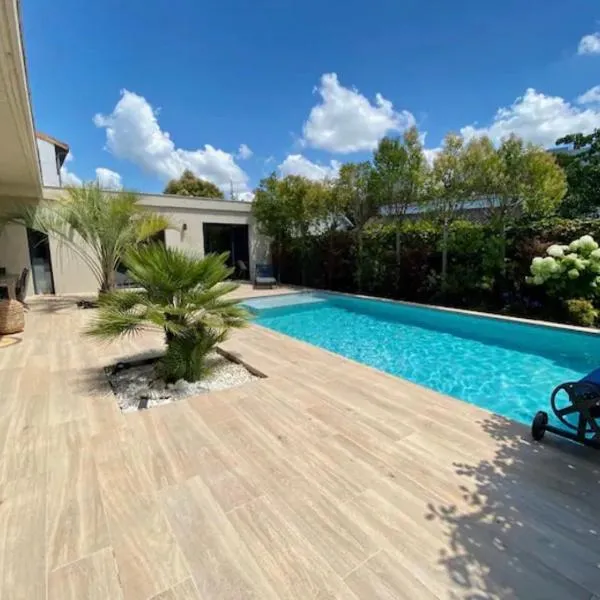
[263, 276]
[582, 404]
[21, 286]
[242, 269]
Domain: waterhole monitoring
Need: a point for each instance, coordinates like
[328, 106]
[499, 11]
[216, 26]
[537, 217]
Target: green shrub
[581, 312]
[571, 271]
[181, 294]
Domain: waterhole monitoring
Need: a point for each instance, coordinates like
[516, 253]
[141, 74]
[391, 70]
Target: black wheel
[538, 427]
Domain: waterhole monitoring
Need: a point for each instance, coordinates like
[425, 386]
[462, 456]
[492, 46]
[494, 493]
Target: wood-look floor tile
[186, 590]
[76, 523]
[148, 557]
[341, 541]
[22, 539]
[103, 413]
[221, 564]
[94, 577]
[280, 488]
[292, 567]
[383, 578]
[260, 455]
[25, 455]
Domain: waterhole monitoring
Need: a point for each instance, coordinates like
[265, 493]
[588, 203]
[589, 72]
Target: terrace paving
[326, 479]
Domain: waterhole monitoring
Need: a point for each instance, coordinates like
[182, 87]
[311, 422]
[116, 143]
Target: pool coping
[594, 332]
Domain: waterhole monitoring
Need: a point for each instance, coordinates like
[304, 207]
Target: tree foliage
[582, 167]
[183, 295]
[353, 191]
[399, 172]
[525, 180]
[290, 208]
[190, 185]
[97, 225]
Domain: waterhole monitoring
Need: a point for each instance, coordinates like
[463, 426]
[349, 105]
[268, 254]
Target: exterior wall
[48, 163]
[72, 275]
[14, 252]
[193, 236]
[14, 249]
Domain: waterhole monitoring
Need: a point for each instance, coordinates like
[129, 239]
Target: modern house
[30, 166]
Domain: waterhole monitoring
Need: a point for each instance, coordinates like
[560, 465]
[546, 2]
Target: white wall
[72, 275]
[193, 237]
[50, 172]
[14, 252]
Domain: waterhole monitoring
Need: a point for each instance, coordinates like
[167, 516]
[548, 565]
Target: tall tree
[286, 209]
[450, 188]
[519, 179]
[190, 185]
[306, 208]
[353, 190]
[272, 215]
[400, 172]
[582, 167]
[96, 225]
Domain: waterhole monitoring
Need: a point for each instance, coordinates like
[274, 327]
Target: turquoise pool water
[505, 367]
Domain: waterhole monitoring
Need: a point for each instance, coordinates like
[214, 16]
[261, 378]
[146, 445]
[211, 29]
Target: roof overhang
[20, 174]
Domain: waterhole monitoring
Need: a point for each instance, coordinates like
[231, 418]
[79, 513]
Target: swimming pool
[507, 367]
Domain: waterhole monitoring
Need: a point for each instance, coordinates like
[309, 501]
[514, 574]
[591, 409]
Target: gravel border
[136, 385]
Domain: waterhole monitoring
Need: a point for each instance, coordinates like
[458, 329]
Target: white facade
[49, 163]
[187, 216]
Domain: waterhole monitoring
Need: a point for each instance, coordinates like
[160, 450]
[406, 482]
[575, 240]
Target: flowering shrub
[571, 271]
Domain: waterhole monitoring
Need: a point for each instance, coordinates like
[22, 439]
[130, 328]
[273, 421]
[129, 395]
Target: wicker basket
[12, 316]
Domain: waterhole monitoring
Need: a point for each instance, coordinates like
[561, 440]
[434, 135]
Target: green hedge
[406, 265]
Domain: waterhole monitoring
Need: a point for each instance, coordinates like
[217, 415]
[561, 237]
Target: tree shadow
[529, 526]
[56, 304]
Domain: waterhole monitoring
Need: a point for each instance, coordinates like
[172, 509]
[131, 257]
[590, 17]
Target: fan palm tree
[183, 295]
[97, 225]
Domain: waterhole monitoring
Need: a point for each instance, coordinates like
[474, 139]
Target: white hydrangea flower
[574, 246]
[538, 280]
[595, 254]
[587, 244]
[555, 250]
[573, 274]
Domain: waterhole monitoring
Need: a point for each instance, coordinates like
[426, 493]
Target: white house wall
[72, 275]
[47, 153]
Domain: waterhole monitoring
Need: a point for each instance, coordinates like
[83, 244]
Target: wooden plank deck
[327, 479]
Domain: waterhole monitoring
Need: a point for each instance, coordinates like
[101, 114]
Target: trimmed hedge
[406, 265]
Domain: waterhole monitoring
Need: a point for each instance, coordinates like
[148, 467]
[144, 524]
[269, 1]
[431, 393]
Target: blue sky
[143, 89]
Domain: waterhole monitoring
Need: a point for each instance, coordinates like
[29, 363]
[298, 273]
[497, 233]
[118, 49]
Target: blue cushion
[593, 377]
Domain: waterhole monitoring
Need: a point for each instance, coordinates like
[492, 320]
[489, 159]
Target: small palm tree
[97, 225]
[183, 295]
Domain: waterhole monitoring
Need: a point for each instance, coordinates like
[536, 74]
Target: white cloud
[430, 154]
[108, 180]
[133, 133]
[589, 44]
[592, 96]
[244, 152]
[296, 164]
[246, 196]
[538, 118]
[346, 121]
[69, 178]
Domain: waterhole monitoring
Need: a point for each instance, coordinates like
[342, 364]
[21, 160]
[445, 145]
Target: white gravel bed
[136, 384]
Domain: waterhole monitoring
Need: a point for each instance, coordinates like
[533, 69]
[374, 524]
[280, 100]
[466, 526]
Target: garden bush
[581, 312]
[476, 277]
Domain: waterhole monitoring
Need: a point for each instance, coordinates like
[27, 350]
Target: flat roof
[52, 140]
